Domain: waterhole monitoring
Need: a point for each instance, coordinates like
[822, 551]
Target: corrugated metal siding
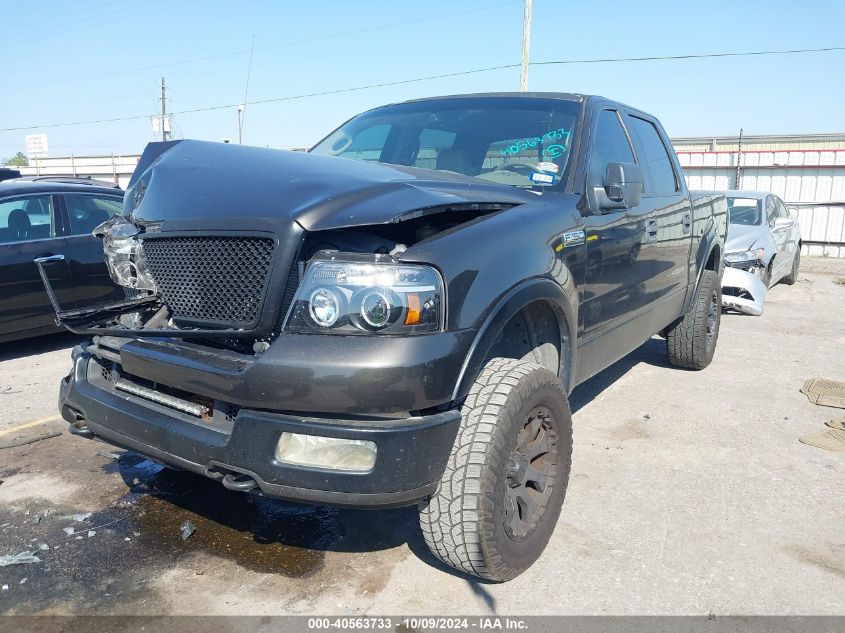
[812, 182]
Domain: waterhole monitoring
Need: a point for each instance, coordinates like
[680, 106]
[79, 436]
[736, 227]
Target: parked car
[52, 218]
[763, 249]
[404, 328]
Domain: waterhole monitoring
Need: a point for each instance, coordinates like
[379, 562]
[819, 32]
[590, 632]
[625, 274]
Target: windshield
[509, 140]
[745, 211]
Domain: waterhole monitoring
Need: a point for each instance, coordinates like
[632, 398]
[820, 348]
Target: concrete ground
[690, 494]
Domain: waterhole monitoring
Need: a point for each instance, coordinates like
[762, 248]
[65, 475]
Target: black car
[404, 327]
[50, 217]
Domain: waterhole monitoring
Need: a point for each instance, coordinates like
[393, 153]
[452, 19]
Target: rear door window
[660, 177]
[28, 218]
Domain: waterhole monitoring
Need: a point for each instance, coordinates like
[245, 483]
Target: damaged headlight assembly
[344, 293]
[124, 254]
[758, 254]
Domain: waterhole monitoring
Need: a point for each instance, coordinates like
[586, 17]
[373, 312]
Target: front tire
[691, 341]
[503, 488]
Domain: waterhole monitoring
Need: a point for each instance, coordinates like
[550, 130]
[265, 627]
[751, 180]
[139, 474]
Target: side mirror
[784, 223]
[622, 187]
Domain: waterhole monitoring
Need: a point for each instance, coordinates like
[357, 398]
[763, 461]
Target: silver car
[763, 248]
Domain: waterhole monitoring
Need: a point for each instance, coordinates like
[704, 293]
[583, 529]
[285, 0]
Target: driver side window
[610, 144]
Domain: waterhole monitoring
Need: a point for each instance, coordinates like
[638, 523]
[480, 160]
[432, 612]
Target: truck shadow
[652, 352]
[38, 345]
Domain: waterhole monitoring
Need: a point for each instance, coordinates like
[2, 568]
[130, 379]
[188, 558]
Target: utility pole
[163, 110]
[526, 45]
[738, 161]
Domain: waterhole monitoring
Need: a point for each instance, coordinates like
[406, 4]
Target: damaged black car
[397, 316]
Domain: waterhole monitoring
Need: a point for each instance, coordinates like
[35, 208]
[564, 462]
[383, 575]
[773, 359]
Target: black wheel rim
[531, 472]
[712, 319]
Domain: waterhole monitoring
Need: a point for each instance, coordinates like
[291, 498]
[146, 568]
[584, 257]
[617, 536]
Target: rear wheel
[691, 341]
[792, 277]
[501, 493]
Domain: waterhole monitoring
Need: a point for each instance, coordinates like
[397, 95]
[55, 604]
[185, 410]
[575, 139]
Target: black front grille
[212, 278]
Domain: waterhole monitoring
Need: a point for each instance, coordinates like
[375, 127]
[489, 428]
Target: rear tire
[503, 488]
[691, 341]
[792, 277]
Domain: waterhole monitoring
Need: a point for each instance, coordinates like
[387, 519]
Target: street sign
[157, 124]
[36, 145]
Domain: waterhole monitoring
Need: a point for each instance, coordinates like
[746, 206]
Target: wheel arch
[709, 257]
[537, 300]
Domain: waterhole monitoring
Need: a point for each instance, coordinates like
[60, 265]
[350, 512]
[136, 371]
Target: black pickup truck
[405, 327]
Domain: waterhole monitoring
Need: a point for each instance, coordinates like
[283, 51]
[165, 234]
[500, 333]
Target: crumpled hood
[190, 185]
[743, 237]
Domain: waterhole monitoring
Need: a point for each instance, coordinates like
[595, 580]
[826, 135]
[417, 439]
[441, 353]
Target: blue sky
[103, 59]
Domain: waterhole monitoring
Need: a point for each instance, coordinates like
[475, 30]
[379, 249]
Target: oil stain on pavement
[115, 555]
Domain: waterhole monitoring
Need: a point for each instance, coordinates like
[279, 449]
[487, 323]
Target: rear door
[665, 217]
[83, 213]
[780, 236]
[28, 230]
[791, 236]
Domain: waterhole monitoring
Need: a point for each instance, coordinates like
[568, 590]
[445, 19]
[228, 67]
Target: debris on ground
[23, 581]
[91, 533]
[827, 393]
[81, 517]
[830, 440]
[23, 558]
[69, 530]
[837, 423]
[43, 547]
[109, 454]
[186, 529]
[5, 588]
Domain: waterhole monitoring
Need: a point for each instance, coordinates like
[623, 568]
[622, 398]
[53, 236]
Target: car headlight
[746, 256]
[348, 293]
[124, 254]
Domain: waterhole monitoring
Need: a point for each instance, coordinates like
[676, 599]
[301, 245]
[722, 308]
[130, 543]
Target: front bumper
[743, 291]
[411, 451]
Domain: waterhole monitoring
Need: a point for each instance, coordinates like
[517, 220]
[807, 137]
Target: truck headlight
[124, 254]
[348, 293]
[746, 256]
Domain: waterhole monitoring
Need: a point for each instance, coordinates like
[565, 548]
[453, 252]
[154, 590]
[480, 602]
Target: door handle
[686, 222]
[44, 259]
[651, 231]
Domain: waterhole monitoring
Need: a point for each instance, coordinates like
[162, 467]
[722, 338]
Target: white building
[807, 171]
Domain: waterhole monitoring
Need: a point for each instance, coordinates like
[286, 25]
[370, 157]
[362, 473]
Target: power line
[193, 60]
[694, 56]
[433, 77]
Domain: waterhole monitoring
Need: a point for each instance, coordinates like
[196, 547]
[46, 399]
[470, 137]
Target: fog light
[326, 452]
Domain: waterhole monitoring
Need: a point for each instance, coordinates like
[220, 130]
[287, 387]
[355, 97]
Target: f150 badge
[572, 238]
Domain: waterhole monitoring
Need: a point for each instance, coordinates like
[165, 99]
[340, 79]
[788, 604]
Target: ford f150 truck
[397, 316]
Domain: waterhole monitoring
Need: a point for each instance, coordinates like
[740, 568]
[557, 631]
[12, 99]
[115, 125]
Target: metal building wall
[810, 180]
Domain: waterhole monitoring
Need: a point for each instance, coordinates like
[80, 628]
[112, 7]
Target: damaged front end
[743, 291]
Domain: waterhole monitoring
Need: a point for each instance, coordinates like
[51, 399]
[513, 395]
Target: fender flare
[709, 242]
[529, 291]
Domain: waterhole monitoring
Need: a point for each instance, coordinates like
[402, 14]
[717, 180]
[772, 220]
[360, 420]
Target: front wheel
[691, 340]
[502, 491]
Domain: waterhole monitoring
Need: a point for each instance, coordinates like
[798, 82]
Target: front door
[84, 212]
[615, 286]
[28, 232]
